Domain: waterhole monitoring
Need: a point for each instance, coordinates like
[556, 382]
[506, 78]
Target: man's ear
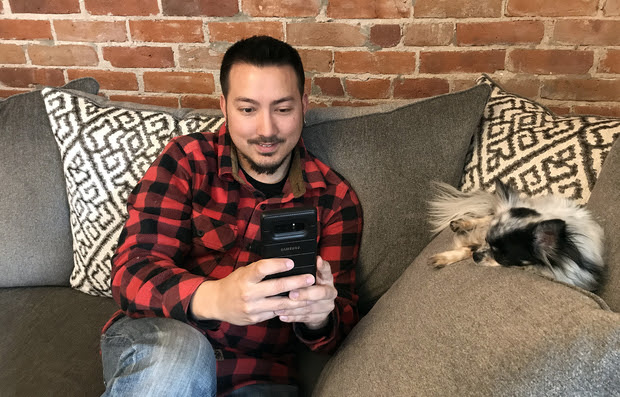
[223, 106]
[304, 103]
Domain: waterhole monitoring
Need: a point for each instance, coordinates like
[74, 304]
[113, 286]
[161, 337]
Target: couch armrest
[470, 330]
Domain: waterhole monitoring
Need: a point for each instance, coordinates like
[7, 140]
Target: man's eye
[284, 110]
[246, 110]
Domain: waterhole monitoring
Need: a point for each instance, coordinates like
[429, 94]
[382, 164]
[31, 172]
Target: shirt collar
[299, 177]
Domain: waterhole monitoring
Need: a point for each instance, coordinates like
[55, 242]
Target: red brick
[457, 8]
[483, 61]
[328, 86]
[209, 8]
[157, 100]
[91, 31]
[587, 32]
[181, 31]
[509, 32]
[139, 57]
[108, 80]
[19, 29]
[428, 34]
[524, 85]
[63, 55]
[599, 110]
[551, 8]
[368, 89]
[122, 7]
[30, 77]
[560, 110]
[325, 34]
[232, 31]
[179, 82]
[420, 88]
[380, 62]
[12, 53]
[200, 102]
[317, 60]
[4, 93]
[45, 6]
[344, 9]
[199, 58]
[278, 8]
[550, 61]
[612, 8]
[610, 63]
[385, 35]
[581, 89]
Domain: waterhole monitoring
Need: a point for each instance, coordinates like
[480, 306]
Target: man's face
[264, 113]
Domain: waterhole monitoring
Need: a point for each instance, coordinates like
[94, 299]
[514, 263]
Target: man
[196, 315]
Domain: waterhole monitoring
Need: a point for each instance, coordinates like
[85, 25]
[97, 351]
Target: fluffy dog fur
[550, 234]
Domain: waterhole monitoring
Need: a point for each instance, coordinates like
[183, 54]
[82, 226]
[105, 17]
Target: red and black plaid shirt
[194, 217]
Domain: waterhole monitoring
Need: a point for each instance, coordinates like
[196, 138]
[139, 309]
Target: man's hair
[261, 51]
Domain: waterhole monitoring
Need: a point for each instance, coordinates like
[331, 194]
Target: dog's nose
[478, 256]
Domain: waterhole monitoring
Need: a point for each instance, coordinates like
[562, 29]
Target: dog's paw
[438, 261]
[462, 225]
[454, 226]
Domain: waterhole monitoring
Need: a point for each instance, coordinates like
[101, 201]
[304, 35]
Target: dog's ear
[505, 193]
[548, 233]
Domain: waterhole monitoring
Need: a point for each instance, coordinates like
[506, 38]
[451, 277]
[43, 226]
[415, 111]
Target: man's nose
[266, 125]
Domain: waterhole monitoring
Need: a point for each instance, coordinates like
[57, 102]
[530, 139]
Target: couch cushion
[605, 205]
[467, 330]
[390, 155]
[50, 344]
[523, 143]
[35, 232]
[106, 148]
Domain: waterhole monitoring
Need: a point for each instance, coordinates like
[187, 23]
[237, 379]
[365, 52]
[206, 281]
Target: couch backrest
[35, 234]
[390, 155]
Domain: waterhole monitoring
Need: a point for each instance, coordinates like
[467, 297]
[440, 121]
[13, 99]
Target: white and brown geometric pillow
[524, 144]
[105, 150]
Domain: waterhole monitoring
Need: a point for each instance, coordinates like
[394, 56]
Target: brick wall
[564, 53]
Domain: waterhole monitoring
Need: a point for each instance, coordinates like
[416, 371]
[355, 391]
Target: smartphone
[290, 233]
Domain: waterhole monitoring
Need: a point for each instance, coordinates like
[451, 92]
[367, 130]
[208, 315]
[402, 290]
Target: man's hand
[242, 298]
[320, 300]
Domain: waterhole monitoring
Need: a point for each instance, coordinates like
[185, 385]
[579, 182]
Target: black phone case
[290, 233]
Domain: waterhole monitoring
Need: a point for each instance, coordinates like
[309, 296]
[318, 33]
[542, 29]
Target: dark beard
[261, 169]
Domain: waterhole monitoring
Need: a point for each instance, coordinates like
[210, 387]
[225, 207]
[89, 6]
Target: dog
[550, 234]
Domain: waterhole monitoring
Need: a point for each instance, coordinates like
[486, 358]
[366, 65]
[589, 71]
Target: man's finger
[286, 284]
[324, 270]
[266, 267]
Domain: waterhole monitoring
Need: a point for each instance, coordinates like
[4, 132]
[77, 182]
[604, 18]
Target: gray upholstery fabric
[390, 156]
[605, 205]
[478, 331]
[50, 343]
[35, 233]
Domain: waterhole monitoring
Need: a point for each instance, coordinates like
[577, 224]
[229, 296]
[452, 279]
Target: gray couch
[463, 330]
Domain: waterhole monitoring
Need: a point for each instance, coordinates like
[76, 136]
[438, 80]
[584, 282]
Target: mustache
[264, 140]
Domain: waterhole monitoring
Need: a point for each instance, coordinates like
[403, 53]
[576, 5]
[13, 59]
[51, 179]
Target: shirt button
[200, 233]
[263, 206]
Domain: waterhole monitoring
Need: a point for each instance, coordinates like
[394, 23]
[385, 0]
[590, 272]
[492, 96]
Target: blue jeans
[165, 357]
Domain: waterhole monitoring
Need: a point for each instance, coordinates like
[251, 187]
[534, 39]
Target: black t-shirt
[268, 189]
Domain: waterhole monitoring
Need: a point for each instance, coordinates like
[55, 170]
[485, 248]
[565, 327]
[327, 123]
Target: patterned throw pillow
[523, 143]
[105, 150]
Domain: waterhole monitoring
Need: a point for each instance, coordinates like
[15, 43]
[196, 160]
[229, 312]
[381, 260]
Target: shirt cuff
[309, 336]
